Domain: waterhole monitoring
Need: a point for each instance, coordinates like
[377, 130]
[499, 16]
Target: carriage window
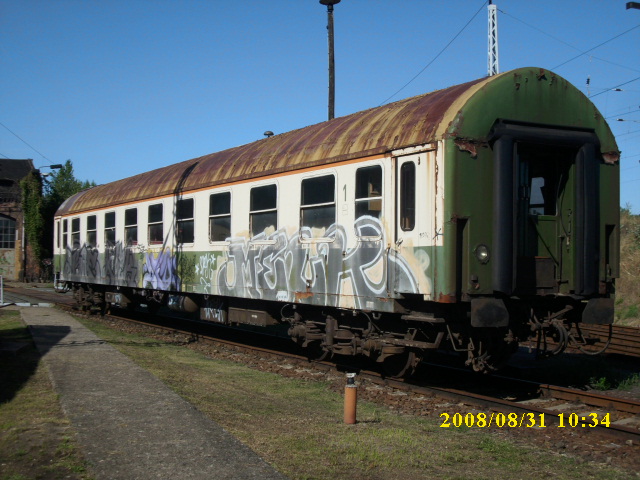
[91, 231]
[317, 206]
[131, 226]
[65, 233]
[369, 192]
[75, 232]
[7, 232]
[219, 217]
[263, 210]
[155, 228]
[543, 175]
[536, 202]
[408, 196]
[109, 229]
[184, 217]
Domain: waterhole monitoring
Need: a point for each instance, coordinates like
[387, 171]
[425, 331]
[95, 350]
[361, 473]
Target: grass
[36, 440]
[297, 425]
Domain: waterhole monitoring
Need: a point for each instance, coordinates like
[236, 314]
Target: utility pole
[492, 59]
[332, 74]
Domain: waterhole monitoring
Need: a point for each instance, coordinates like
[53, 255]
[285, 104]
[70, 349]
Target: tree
[62, 185]
[40, 200]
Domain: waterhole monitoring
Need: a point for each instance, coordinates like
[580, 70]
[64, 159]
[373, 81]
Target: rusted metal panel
[408, 122]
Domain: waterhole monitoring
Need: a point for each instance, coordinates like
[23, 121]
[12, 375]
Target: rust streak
[303, 295]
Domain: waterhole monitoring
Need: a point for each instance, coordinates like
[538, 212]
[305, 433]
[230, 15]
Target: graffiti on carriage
[159, 271]
[277, 266]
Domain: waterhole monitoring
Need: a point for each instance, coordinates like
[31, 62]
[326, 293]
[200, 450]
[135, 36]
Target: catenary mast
[492, 60]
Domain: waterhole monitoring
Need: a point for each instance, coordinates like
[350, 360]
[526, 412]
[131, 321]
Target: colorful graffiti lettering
[277, 267]
[159, 271]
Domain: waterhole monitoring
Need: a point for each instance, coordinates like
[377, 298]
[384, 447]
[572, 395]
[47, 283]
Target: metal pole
[332, 74]
[350, 399]
[492, 59]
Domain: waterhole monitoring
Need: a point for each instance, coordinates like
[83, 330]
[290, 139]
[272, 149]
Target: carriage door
[544, 217]
[411, 186]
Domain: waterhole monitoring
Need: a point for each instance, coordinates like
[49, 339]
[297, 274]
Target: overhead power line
[437, 56]
[24, 141]
[533, 27]
[617, 86]
[597, 46]
[629, 181]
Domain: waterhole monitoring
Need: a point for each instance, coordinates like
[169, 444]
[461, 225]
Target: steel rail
[492, 404]
[478, 400]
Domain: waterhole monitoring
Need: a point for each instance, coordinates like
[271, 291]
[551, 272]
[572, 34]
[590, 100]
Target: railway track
[544, 406]
[624, 340]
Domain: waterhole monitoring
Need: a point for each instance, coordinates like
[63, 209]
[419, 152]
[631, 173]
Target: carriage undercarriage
[398, 343]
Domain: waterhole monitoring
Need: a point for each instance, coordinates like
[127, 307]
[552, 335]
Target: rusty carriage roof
[408, 122]
[528, 93]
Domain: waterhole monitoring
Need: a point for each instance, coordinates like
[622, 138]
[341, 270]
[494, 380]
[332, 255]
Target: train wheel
[400, 365]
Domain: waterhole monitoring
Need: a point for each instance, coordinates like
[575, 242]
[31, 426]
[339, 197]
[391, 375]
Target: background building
[13, 245]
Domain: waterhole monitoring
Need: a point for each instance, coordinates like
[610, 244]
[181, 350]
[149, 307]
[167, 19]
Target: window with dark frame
[317, 206]
[131, 226]
[408, 196]
[219, 217]
[91, 231]
[263, 210]
[155, 230]
[75, 232]
[110, 229]
[185, 221]
[369, 192]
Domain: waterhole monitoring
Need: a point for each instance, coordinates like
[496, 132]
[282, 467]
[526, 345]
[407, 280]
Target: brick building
[13, 246]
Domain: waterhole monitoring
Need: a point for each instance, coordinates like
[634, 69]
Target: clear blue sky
[125, 86]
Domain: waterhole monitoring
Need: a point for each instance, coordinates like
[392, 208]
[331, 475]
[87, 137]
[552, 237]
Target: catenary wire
[597, 46]
[568, 44]
[24, 141]
[437, 56]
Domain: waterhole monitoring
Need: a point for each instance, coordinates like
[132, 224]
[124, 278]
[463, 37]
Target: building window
[408, 196]
[156, 230]
[369, 192]
[110, 229]
[184, 216]
[219, 217]
[7, 232]
[75, 233]
[317, 206]
[131, 226]
[91, 231]
[263, 210]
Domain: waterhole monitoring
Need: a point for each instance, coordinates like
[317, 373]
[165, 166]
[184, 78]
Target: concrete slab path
[131, 425]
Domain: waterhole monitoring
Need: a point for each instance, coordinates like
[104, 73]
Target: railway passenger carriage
[469, 219]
